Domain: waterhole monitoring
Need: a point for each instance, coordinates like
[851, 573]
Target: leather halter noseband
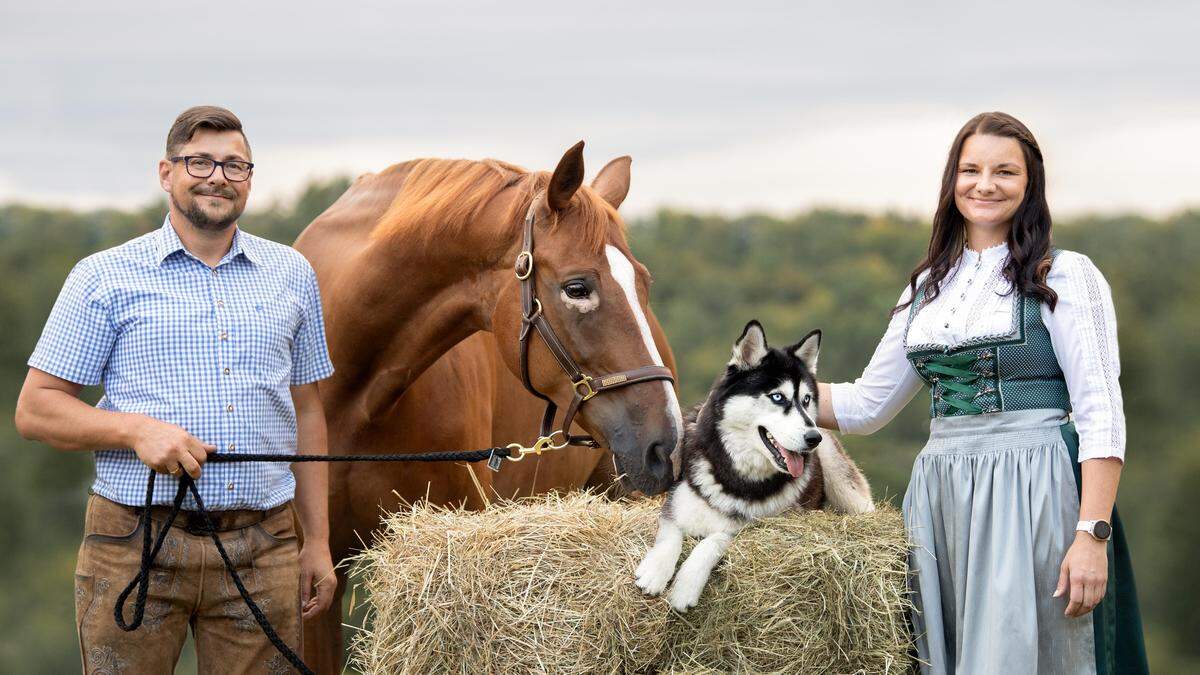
[585, 386]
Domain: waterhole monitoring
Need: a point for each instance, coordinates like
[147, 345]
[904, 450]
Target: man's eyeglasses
[203, 167]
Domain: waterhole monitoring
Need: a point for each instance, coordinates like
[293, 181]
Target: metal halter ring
[586, 383]
[528, 257]
[537, 309]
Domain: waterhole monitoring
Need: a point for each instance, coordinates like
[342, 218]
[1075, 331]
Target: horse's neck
[397, 311]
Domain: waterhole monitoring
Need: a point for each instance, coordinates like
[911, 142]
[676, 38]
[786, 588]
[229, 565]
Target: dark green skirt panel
[1120, 647]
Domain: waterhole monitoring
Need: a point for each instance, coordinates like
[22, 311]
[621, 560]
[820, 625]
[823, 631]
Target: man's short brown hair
[202, 117]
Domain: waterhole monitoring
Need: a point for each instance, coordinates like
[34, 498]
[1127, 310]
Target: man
[207, 340]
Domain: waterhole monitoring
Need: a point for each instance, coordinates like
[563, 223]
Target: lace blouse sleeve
[885, 387]
[1083, 330]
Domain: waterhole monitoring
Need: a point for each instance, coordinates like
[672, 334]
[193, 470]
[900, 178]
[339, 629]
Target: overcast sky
[744, 105]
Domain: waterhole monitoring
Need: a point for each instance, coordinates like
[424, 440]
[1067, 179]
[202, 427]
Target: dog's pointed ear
[750, 348]
[807, 350]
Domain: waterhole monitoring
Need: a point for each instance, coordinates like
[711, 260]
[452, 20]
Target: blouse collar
[991, 255]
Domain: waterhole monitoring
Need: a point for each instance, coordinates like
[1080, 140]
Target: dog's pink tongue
[795, 463]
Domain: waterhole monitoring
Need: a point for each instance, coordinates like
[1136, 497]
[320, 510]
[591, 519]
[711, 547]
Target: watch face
[1102, 530]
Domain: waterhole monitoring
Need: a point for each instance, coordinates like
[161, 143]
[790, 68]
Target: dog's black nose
[812, 438]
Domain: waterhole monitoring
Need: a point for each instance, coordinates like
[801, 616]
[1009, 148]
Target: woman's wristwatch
[1099, 529]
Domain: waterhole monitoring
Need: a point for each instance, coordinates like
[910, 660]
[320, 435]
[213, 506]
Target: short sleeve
[1083, 330]
[78, 338]
[310, 354]
[887, 384]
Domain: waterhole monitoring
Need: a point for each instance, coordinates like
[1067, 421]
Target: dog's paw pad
[681, 600]
[652, 579]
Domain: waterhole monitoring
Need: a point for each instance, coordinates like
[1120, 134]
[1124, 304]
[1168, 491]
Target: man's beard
[204, 221]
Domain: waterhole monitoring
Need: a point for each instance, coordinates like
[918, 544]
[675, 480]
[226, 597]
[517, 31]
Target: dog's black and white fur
[751, 450]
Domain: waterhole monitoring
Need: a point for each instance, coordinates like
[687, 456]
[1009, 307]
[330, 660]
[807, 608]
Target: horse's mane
[442, 198]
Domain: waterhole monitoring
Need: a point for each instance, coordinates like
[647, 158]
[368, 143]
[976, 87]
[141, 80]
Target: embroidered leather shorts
[189, 586]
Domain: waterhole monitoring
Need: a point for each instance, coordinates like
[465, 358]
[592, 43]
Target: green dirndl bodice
[1019, 371]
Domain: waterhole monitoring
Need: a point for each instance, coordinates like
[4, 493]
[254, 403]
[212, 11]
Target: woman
[1008, 507]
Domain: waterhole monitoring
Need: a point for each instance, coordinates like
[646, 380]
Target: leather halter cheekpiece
[586, 386]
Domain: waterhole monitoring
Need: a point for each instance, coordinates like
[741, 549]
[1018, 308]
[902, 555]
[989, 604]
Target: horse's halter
[586, 386]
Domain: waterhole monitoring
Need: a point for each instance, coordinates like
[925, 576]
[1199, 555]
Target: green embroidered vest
[994, 373]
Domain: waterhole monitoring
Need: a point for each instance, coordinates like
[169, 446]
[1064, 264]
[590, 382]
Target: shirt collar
[168, 242]
[991, 255]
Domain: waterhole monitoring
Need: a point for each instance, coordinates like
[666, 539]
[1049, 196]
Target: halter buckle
[527, 256]
[586, 383]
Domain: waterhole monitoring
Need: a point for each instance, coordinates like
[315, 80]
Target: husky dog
[751, 450]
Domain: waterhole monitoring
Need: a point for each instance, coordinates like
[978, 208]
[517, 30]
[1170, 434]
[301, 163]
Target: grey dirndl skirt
[991, 510]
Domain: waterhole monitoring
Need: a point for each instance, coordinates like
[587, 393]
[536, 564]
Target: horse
[412, 264]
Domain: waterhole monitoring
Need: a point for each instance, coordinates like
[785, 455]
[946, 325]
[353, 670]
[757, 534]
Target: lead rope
[150, 550]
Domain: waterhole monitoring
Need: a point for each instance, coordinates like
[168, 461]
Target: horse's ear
[567, 178]
[612, 183]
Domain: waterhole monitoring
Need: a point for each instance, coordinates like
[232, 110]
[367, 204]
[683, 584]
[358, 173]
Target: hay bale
[546, 585]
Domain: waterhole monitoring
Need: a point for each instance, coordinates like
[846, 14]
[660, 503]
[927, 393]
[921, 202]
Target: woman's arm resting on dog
[885, 387]
[49, 410]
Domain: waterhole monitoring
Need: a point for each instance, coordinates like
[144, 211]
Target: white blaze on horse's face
[626, 278]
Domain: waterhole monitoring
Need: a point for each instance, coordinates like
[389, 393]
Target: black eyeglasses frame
[216, 163]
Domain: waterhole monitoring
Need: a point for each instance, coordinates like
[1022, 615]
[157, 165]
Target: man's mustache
[225, 192]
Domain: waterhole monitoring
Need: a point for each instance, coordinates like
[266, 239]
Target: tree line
[835, 270]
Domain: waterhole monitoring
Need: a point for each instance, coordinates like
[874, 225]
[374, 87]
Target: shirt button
[224, 335]
[214, 273]
[229, 408]
[229, 486]
[231, 447]
[220, 303]
[226, 371]
[946, 326]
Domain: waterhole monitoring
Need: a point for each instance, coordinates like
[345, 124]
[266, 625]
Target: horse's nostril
[658, 459]
[812, 438]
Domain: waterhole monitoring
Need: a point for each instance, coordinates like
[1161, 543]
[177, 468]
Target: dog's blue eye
[777, 397]
[807, 399]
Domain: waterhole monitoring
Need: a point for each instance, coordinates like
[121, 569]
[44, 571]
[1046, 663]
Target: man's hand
[1084, 571]
[166, 448]
[317, 579]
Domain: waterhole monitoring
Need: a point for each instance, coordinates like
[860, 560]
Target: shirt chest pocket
[269, 330]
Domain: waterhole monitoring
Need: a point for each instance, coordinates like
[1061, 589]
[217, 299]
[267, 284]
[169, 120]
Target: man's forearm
[312, 478]
[63, 421]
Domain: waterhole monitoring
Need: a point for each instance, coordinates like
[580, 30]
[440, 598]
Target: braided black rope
[150, 550]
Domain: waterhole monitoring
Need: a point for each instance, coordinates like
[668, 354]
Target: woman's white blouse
[973, 304]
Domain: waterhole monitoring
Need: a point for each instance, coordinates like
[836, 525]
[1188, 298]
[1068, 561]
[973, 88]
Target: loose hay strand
[545, 584]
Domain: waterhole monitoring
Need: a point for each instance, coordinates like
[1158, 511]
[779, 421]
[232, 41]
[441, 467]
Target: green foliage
[841, 272]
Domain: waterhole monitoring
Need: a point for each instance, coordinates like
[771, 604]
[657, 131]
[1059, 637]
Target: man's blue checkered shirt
[213, 350]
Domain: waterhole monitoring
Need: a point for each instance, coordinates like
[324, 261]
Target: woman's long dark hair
[1028, 238]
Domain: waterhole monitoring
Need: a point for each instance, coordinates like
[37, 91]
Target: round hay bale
[546, 585]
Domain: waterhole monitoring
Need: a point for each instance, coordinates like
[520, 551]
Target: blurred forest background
[839, 271]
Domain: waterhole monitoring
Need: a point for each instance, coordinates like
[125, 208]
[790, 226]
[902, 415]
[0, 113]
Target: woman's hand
[1084, 572]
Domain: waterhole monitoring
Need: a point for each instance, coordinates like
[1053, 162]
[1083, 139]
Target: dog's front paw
[685, 593]
[653, 575]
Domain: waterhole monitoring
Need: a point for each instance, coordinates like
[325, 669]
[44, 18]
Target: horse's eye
[576, 290]
[777, 397]
[807, 399]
